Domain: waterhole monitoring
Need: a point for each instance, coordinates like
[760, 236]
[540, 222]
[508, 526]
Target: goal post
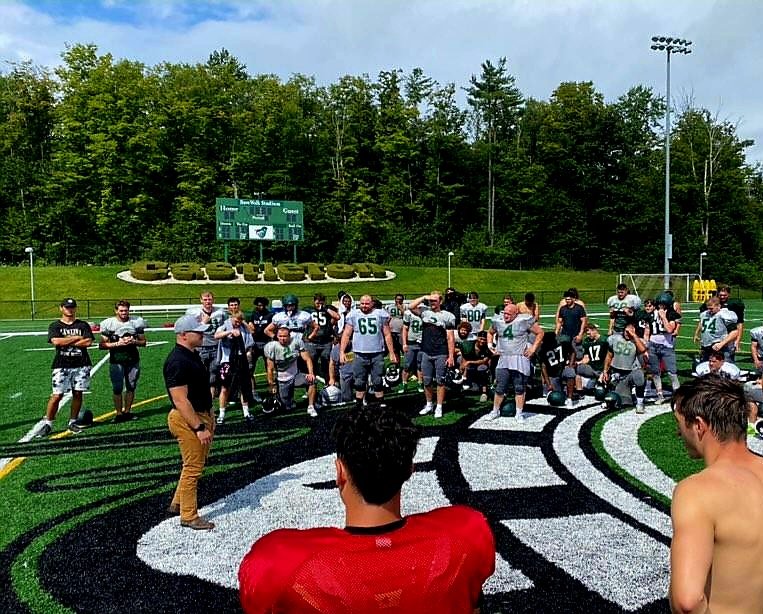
[649, 285]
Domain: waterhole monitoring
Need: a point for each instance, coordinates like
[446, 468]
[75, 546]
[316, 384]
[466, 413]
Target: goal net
[649, 285]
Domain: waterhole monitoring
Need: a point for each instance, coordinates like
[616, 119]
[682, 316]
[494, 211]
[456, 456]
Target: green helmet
[613, 400]
[556, 398]
[290, 299]
[599, 391]
[509, 408]
[664, 299]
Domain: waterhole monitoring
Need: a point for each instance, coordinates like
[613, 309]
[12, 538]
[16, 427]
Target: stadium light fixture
[701, 257]
[669, 45]
[30, 251]
[450, 255]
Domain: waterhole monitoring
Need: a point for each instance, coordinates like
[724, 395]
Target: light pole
[30, 251]
[669, 45]
[701, 256]
[450, 255]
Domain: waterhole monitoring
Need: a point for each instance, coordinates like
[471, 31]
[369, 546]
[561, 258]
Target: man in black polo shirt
[191, 420]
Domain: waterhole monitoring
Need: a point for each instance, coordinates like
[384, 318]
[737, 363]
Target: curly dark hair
[719, 401]
[377, 446]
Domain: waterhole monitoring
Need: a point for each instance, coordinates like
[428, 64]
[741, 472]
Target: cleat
[483, 398]
[420, 388]
[569, 404]
[438, 412]
[494, 414]
[44, 430]
[640, 408]
[427, 410]
[121, 417]
[220, 419]
[74, 427]
[312, 413]
[660, 399]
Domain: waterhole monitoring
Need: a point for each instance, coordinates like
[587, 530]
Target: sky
[546, 42]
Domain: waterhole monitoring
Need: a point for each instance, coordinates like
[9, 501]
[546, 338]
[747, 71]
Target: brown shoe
[198, 524]
[173, 509]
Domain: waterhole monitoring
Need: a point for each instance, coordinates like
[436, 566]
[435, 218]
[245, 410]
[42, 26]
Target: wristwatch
[199, 429]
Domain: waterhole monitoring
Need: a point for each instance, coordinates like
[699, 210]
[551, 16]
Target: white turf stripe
[608, 556]
[67, 397]
[620, 439]
[489, 466]
[567, 447]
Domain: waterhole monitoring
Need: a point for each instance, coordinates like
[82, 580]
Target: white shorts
[76, 378]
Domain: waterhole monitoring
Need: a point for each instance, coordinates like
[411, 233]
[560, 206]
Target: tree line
[107, 161]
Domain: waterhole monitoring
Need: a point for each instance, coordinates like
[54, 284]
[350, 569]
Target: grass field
[75, 506]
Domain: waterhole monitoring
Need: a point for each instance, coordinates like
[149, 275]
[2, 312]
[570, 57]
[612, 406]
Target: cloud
[546, 42]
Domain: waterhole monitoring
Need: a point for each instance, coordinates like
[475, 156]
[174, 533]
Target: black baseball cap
[69, 302]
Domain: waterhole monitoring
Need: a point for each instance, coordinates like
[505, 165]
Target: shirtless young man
[716, 558]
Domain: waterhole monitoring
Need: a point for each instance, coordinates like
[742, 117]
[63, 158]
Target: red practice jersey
[431, 562]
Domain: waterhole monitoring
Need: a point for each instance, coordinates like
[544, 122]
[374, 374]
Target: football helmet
[613, 400]
[290, 299]
[392, 375]
[509, 408]
[85, 418]
[664, 299]
[330, 395]
[556, 398]
[599, 391]
[453, 377]
[272, 404]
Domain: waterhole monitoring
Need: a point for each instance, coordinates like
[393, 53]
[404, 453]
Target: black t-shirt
[69, 356]
[183, 367]
[260, 320]
[571, 318]
[555, 355]
[325, 324]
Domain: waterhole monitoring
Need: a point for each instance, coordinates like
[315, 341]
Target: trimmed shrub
[377, 271]
[186, 271]
[288, 271]
[314, 271]
[269, 272]
[361, 268]
[251, 272]
[149, 271]
[220, 271]
[340, 271]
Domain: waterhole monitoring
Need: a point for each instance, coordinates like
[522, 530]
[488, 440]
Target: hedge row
[284, 271]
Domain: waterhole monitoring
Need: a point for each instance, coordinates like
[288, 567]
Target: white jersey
[728, 369]
[415, 326]
[756, 334]
[216, 319]
[284, 357]
[368, 330]
[396, 316]
[116, 328]
[715, 326]
[512, 339]
[475, 316]
[629, 301]
[298, 322]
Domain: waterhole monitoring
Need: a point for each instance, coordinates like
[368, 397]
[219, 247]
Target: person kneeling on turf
[281, 356]
[448, 553]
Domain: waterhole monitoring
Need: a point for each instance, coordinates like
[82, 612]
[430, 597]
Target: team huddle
[360, 350]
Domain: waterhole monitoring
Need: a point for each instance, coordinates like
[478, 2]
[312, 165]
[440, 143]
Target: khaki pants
[194, 456]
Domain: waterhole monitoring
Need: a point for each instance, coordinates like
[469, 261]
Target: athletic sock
[428, 405]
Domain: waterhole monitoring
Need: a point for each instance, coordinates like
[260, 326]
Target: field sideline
[578, 501]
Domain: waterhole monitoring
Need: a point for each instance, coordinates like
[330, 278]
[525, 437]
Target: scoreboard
[239, 219]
